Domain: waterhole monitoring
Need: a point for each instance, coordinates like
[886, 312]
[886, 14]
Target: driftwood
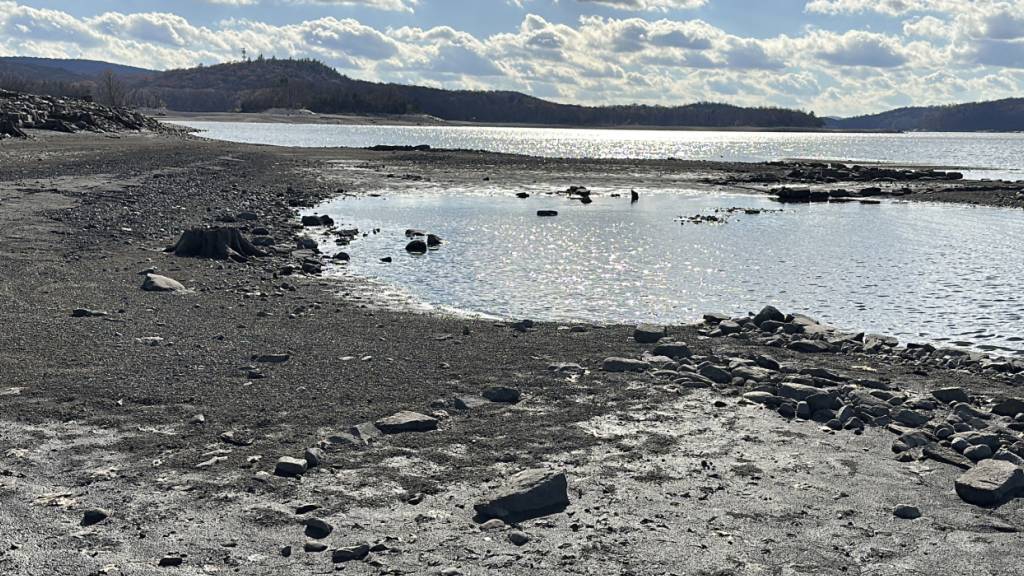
[216, 243]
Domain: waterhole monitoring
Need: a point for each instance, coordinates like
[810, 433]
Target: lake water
[922, 272]
[996, 156]
[948, 274]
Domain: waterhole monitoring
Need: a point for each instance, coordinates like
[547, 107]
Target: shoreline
[692, 448]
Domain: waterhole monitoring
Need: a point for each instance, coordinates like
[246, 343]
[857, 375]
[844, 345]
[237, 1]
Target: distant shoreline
[297, 117]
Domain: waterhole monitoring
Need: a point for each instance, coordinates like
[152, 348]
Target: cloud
[646, 5]
[858, 48]
[392, 5]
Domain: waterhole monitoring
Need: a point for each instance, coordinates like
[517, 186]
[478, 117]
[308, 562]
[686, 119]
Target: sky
[833, 57]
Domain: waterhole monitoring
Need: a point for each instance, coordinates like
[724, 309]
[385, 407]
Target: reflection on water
[922, 272]
[981, 155]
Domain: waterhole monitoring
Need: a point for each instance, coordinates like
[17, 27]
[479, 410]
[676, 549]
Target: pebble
[906, 512]
[314, 546]
[518, 538]
[357, 552]
[171, 560]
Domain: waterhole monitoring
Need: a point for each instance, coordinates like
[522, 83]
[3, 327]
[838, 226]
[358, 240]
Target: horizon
[837, 58]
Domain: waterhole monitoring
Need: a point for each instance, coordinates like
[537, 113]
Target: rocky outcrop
[20, 112]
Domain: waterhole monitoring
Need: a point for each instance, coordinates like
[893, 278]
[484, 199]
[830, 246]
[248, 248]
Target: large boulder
[990, 483]
[769, 313]
[528, 494]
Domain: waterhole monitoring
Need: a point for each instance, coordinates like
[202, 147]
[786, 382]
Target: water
[948, 274]
[979, 155]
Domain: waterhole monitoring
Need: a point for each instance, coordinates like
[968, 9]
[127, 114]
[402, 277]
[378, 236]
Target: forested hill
[262, 84]
[996, 116]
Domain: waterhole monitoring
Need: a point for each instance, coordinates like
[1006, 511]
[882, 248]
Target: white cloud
[393, 5]
[646, 5]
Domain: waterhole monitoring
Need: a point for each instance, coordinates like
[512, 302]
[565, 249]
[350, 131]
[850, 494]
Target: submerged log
[216, 243]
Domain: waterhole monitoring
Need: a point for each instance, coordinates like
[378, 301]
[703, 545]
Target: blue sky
[836, 57]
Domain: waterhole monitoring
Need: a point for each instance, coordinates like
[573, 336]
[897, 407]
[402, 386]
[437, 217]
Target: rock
[314, 547]
[416, 247]
[909, 417]
[803, 410]
[990, 483]
[314, 220]
[798, 391]
[624, 365]
[314, 457]
[94, 516]
[946, 456]
[715, 374]
[522, 195]
[978, 452]
[976, 438]
[290, 467]
[406, 421]
[527, 494]
[765, 398]
[906, 512]
[271, 358]
[87, 313]
[518, 538]
[493, 524]
[433, 240]
[648, 333]
[674, 350]
[170, 561]
[767, 362]
[727, 327]
[769, 313]
[365, 432]
[466, 402]
[502, 394]
[1008, 407]
[341, 257]
[755, 373]
[158, 283]
[809, 346]
[951, 395]
[547, 213]
[911, 440]
[357, 552]
[318, 529]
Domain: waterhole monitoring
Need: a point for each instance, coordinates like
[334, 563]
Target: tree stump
[9, 127]
[216, 243]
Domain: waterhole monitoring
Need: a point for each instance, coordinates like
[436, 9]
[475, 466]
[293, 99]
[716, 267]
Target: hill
[86, 68]
[997, 116]
[262, 84]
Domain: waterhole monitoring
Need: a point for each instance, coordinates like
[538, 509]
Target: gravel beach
[254, 417]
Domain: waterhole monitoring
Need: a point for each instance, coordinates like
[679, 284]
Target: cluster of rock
[948, 425]
[722, 215]
[420, 241]
[805, 195]
[832, 172]
[20, 112]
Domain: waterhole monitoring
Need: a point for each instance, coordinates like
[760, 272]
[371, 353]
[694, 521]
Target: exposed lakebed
[923, 272]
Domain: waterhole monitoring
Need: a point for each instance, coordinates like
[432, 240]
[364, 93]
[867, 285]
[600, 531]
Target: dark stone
[357, 552]
[809, 346]
[990, 483]
[769, 313]
[502, 394]
[318, 529]
[416, 247]
[94, 516]
[547, 213]
[528, 494]
[673, 350]
[406, 421]
[648, 333]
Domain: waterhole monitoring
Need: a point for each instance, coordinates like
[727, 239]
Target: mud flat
[255, 418]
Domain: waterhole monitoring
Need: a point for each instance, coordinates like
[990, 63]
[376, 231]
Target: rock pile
[19, 112]
[949, 425]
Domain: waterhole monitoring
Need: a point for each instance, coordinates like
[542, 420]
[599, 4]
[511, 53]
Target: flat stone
[765, 398]
[672, 350]
[624, 365]
[1008, 407]
[347, 554]
[909, 417]
[518, 538]
[314, 547]
[406, 421]
[527, 494]
[290, 467]
[158, 283]
[170, 561]
[911, 440]
[798, 391]
[271, 358]
[648, 333]
[365, 432]
[990, 483]
[467, 402]
[951, 395]
[809, 346]
[946, 456]
[715, 374]
[87, 313]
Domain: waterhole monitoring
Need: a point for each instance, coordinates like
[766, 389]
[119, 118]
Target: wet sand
[664, 476]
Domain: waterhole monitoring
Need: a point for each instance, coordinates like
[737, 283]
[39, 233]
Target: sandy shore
[150, 434]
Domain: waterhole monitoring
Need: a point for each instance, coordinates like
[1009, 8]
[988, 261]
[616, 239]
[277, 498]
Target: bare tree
[111, 90]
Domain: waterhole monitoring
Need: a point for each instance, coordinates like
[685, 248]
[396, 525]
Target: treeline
[996, 116]
[266, 83]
